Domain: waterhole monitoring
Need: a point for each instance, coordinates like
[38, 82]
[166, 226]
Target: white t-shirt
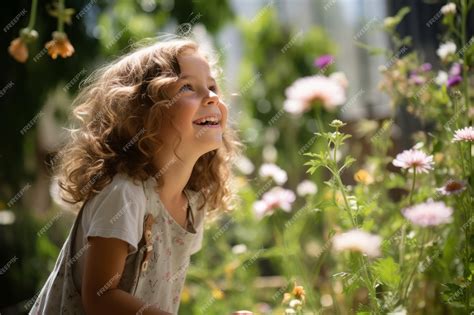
[118, 212]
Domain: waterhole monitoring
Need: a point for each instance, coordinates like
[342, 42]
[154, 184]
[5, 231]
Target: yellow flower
[362, 176]
[438, 157]
[185, 295]
[329, 194]
[60, 45]
[286, 298]
[217, 294]
[18, 50]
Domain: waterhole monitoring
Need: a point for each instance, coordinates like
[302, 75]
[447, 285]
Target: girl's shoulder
[117, 211]
[122, 192]
[122, 184]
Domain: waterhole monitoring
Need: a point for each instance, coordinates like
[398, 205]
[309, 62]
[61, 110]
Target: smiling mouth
[208, 121]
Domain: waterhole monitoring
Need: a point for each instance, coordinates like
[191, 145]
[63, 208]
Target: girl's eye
[213, 88]
[186, 87]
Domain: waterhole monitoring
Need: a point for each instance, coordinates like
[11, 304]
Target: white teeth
[207, 119]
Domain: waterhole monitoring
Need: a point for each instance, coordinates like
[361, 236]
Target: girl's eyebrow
[191, 76]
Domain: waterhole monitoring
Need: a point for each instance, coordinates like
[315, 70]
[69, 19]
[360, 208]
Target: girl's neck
[174, 174]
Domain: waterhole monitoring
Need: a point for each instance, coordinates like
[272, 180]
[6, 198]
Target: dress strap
[190, 220]
[148, 236]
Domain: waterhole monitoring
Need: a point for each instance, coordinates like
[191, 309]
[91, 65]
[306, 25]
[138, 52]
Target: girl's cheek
[225, 111]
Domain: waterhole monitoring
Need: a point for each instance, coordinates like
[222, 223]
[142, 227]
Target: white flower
[448, 8]
[275, 198]
[295, 303]
[305, 90]
[7, 217]
[430, 213]
[269, 153]
[353, 204]
[244, 165]
[274, 171]
[289, 311]
[398, 311]
[340, 77]
[446, 50]
[239, 249]
[306, 187]
[441, 78]
[294, 106]
[358, 241]
[464, 134]
[414, 159]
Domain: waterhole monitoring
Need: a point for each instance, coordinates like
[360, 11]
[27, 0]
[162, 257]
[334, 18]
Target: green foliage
[387, 271]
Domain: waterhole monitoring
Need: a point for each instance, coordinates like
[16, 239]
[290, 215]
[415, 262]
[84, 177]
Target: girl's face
[193, 98]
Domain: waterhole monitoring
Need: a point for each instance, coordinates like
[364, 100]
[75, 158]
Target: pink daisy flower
[275, 198]
[464, 134]
[358, 241]
[306, 187]
[274, 171]
[452, 187]
[430, 213]
[306, 90]
[416, 159]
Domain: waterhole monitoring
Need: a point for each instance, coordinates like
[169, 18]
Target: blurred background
[263, 47]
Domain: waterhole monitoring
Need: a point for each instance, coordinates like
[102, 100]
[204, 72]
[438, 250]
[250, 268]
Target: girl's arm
[104, 264]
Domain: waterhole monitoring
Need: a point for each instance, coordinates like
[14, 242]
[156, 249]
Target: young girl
[153, 151]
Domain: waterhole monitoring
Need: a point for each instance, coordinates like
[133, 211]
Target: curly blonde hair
[122, 102]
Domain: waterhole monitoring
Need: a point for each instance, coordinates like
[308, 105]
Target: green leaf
[388, 272]
[453, 293]
[349, 160]
[402, 12]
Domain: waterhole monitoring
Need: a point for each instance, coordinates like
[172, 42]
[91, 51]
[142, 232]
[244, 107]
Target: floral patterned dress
[155, 273]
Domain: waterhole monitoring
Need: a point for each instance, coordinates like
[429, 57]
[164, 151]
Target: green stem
[461, 155]
[412, 274]
[280, 240]
[362, 260]
[471, 175]
[370, 284]
[402, 246]
[467, 256]
[401, 258]
[61, 16]
[464, 13]
[413, 186]
[32, 21]
[318, 118]
[346, 203]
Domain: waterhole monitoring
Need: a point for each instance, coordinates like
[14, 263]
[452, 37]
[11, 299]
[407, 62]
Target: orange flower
[18, 50]
[299, 292]
[60, 45]
[362, 176]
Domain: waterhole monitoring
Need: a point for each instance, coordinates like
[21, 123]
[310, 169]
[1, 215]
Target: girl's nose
[211, 99]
